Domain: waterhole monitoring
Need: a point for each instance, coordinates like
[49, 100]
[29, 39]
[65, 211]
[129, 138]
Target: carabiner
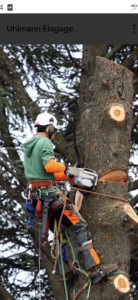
[76, 265]
[39, 194]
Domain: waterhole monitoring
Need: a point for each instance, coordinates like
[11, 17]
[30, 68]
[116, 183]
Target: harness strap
[42, 183]
[86, 247]
[45, 216]
[47, 229]
[54, 207]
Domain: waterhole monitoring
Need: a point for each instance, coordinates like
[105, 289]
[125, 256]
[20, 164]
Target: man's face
[52, 137]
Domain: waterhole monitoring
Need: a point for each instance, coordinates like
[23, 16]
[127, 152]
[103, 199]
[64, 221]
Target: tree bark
[4, 295]
[105, 144]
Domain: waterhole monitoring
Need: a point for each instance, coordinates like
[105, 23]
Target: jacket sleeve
[53, 166]
[58, 169]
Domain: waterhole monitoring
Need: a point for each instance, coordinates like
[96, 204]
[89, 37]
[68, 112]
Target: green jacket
[37, 152]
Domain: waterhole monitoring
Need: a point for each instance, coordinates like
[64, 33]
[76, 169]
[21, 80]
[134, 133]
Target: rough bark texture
[105, 144]
[105, 138]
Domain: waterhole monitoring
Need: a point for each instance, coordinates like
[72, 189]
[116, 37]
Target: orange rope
[100, 194]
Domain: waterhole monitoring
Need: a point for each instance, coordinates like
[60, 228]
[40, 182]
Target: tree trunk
[105, 145]
[4, 295]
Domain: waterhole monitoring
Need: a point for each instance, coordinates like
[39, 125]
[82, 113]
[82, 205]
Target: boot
[97, 273]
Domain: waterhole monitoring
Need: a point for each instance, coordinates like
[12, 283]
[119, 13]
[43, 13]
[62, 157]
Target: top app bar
[62, 6]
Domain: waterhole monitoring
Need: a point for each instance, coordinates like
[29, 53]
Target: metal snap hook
[76, 264]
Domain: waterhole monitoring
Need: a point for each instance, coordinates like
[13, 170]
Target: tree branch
[114, 50]
[133, 185]
[129, 61]
[9, 73]
[134, 201]
[72, 58]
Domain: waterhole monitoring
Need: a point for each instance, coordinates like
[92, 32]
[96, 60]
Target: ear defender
[50, 130]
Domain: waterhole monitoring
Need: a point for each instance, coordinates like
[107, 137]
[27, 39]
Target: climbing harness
[41, 183]
[89, 178]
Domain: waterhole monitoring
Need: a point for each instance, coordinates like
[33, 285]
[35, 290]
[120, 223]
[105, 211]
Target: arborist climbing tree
[50, 202]
[99, 133]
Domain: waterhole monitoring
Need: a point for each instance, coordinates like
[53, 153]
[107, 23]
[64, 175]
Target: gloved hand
[68, 177]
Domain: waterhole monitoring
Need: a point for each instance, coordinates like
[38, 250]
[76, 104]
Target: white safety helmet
[45, 119]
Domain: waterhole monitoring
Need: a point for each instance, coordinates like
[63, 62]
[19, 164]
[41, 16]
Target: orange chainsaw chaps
[71, 216]
[95, 256]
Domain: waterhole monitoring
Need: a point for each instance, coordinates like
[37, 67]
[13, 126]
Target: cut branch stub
[114, 176]
[121, 283]
[117, 113]
[131, 213]
[78, 200]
